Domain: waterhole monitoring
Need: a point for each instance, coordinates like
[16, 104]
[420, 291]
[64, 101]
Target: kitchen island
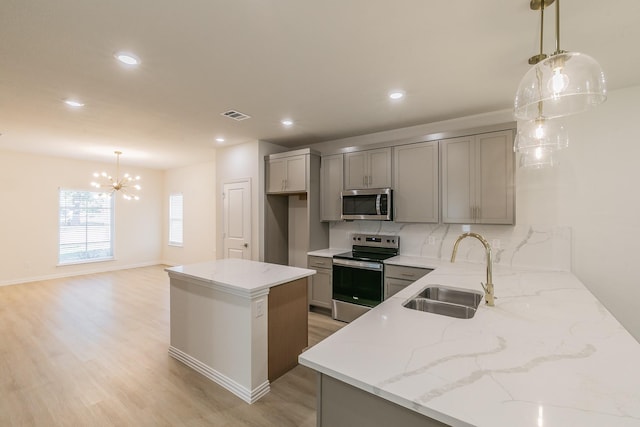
[547, 355]
[240, 323]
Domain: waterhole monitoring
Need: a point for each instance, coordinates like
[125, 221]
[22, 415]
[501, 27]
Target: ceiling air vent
[235, 115]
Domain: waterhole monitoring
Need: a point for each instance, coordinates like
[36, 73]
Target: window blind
[176, 221]
[85, 227]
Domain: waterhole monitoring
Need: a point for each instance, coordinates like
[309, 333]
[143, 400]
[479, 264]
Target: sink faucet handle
[489, 296]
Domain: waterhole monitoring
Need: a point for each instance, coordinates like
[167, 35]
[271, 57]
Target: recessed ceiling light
[73, 103]
[287, 122]
[127, 58]
[220, 139]
[396, 94]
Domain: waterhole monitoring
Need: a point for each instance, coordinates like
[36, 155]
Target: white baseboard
[96, 269]
[249, 396]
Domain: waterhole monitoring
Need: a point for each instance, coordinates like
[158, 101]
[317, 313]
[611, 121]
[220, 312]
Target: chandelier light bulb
[538, 153]
[558, 83]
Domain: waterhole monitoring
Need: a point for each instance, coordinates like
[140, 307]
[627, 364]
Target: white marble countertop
[328, 253]
[240, 276]
[415, 261]
[547, 355]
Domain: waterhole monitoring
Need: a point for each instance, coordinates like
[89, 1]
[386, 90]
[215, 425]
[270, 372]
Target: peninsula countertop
[548, 354]
[240, 276]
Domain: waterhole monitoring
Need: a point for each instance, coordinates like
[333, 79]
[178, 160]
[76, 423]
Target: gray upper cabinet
[367, 169]
[331, 168]
[287, 175]
[415, 182]
[478, 179]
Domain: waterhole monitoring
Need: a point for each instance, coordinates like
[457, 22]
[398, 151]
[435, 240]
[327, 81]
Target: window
[85, 227]
[175, 219]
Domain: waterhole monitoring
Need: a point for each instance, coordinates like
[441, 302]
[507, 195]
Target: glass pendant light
[565, 83]
[538, 159]
[540, 133]
[539, 137]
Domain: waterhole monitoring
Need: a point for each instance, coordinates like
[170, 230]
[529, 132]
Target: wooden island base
[287, 326]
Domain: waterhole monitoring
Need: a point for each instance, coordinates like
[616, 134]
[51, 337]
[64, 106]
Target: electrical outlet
[495, 243]
[260, 308]
[466, 228]
[432, 240]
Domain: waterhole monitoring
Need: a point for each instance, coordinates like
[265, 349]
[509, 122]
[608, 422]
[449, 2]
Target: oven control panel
[376, 241]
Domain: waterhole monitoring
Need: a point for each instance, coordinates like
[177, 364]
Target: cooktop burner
[372, 247]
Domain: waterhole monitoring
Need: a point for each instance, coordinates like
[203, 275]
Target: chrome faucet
[489, 295]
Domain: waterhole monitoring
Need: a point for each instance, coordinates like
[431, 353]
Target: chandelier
[125, 185]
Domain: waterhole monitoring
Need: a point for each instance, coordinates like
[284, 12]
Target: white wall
[29, 217]
[594, 190]
[197, 184]
[238, 162]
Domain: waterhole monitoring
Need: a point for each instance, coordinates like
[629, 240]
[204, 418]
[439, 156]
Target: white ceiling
[327, 64]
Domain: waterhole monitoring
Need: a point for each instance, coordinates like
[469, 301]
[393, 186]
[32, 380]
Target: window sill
[84, 261]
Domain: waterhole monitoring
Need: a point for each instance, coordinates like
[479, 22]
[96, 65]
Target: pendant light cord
[558, 50]
[542, 28]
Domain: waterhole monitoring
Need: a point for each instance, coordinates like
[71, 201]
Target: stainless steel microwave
[374, 204]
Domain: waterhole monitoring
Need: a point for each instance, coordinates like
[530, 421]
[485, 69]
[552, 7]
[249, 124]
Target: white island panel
[219, 320]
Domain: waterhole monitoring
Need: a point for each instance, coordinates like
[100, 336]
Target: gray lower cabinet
[342, 405]
[320, 284]
[398, 277]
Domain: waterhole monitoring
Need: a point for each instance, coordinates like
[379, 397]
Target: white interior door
[237, 219]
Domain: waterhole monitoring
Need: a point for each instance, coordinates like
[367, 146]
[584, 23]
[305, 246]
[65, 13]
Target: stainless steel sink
[447, 301]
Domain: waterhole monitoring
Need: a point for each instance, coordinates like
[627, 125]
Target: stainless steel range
[358, 276]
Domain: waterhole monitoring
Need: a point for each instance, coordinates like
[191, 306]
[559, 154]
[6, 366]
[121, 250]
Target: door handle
[246, 245]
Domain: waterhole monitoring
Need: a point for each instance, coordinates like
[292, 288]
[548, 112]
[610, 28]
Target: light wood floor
[92, 351]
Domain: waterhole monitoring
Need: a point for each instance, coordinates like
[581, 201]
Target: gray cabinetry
[367, 169]
[292, 225]
[320, 284]
[331, 169]
[398, 277]
[415, 182]
[287, 175]
[478, 179]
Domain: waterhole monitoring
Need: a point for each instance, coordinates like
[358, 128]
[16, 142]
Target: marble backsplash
[529, 246]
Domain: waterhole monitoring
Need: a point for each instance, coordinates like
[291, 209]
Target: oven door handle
[365, 265]
[378, 204]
